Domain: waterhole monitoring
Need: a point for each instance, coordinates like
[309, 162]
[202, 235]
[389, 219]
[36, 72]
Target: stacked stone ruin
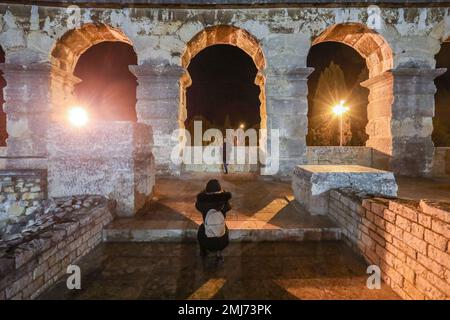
[43, 41]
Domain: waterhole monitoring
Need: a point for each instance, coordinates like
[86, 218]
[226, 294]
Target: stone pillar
[158, 105]
[412, 121]
[62, 93]
[110, 158]
[27, 105]
[287, 111]
[379, 116]
[400, 112]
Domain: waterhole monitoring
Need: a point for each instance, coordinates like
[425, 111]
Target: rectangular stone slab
[311, 183]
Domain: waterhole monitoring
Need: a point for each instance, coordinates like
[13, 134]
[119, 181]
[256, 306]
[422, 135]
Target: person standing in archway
[225, 156]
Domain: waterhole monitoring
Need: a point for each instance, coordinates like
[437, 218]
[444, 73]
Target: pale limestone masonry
[441, 164]
[368, 157]
[43, 43]
[36, 261]
[21, 192]
[361, 156]
[113, 159]
[408, 240]
[311, 184]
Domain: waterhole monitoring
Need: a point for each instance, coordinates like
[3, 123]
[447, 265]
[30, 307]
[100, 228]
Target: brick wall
[408, 240]
[33, 267]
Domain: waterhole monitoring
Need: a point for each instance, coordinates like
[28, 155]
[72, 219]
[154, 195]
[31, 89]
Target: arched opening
[3, 132]
[441, 120]
[231, 61]
[90, 67]
[378, 60]
[107, 88]
[338, 72]
[223, 94]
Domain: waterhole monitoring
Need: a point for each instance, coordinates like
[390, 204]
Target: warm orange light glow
[340, 109]
[242, 126]
[78, 116]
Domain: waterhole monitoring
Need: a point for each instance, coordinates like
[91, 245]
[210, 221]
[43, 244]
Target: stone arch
[380, 61]
[65, 55]
[228, 35]
[74, 43]
[368, 43]
[224, 34]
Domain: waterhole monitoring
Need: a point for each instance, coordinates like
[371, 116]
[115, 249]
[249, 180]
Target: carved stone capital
[418, 72]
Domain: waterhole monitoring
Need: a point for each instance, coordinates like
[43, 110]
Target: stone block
[113, 159]
[311, 183]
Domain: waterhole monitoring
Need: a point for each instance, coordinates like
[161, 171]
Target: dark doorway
[441, 120]
[338, 72]
[223, 93]
[3, 132]
[108, 88]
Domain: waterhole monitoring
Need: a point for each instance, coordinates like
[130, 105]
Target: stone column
[400, 112]
[379, 116]
[287, 111]
[158, 105]
[62, 93]
[412, 121]
[27, 105]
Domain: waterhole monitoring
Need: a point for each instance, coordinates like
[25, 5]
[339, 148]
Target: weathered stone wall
[113, 159]
[20, 194]
[339, 155]
[34, 263]
[38, 60]
[408, 240]
[441, 164]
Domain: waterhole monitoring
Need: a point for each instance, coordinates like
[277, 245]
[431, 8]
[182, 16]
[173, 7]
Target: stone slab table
[311, 183]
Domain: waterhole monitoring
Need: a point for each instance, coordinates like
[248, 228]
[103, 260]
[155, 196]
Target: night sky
[352, 65]
[223, 84]
[108, 88]
[441, 134]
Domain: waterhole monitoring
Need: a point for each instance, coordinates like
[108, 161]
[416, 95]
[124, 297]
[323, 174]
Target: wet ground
[282, 270]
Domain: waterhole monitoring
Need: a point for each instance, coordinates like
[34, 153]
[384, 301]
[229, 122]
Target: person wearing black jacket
[213, 197]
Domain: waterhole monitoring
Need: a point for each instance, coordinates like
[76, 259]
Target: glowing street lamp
[78, 116]
[339, 110]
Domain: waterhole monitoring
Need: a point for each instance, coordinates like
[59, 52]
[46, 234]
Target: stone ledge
[31, 263]
[38, 173]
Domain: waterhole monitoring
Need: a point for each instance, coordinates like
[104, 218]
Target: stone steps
[133, 230]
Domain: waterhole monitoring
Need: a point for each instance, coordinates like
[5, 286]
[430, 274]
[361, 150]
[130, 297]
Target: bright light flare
[78, 116]
[242, 126]
[340, 109]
